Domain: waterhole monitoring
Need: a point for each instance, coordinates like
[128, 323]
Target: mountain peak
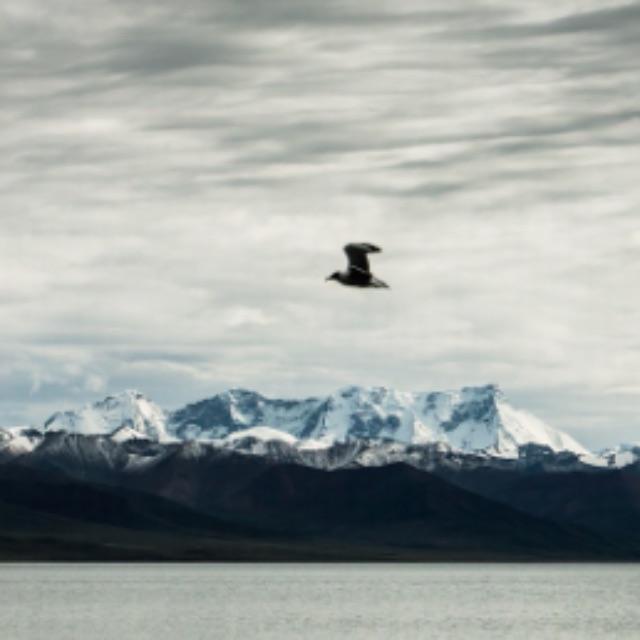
[129, 408]
[469, 420]
[473, 419]
[490, 389]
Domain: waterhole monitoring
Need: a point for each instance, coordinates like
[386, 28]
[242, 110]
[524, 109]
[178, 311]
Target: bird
[358, 273]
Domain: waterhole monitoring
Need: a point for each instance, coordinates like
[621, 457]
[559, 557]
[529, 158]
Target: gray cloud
[617, 19]
[178, 179]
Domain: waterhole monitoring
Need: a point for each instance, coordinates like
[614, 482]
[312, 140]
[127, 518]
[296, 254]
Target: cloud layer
[177, 180]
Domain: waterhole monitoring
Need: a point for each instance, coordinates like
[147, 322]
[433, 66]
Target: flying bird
[358, 273]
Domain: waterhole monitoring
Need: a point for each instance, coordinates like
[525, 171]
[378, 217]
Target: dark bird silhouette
[358, 273]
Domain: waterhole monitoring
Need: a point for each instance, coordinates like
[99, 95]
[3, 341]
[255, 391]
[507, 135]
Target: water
[121, 602]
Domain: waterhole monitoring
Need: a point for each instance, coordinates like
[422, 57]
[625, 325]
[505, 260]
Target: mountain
[359, 474]
[395, 505]
[243, 508]
[606, 502]
[472, 420]
[355, 426]
[46, 516]
[474, 427]
[129, 411]
[239, 409]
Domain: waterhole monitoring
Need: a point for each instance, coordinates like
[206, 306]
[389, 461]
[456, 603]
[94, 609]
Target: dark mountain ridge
[234, 506]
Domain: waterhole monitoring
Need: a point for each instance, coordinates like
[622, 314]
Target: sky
[178, 178]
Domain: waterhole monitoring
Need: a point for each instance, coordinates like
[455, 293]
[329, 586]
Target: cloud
[178, 181]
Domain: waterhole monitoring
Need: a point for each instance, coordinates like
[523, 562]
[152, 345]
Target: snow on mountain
[620, 456]
[125, 433]
[263, 433]
[130, 409]
[237, 410]
[386, 423]
[467, 428]
[15, 441]
[471, 420]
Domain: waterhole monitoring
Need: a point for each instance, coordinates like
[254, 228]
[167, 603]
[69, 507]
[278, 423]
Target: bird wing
[357, 255]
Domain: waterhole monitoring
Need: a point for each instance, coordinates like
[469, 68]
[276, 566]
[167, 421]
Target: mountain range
[473, 420]
[364, 473]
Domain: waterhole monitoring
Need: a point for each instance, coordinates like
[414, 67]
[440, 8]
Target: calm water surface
[65, 602]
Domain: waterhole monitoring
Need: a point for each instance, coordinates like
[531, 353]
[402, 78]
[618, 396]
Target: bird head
[334, 276]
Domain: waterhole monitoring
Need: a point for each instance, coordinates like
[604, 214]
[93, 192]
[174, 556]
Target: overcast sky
[178, 178]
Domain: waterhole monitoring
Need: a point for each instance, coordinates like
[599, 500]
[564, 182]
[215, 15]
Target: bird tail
[380, 284]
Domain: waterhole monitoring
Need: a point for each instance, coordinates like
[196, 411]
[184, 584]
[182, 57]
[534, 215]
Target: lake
[287, 601]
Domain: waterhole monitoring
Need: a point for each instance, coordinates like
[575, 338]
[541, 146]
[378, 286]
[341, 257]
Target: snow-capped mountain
[471, 420]
[239, 409]
[355, 426]
[130, 414]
